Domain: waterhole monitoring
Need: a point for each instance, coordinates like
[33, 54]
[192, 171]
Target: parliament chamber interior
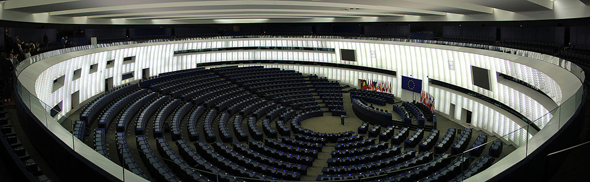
[322, 90]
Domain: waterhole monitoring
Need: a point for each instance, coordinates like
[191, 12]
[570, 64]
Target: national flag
[374, 85]
[364, 84]
[411, 84]
[431, 103]
[422, 96]
[378, 86]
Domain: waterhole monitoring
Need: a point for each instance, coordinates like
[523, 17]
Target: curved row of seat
[310, 139]
[360, 151]
[428, 114]
[231, 101]
[263, 110]
[255, 133]
[496, 148]
[302, 144]
[413, 140]
[246, 82]
[450, 171]
[246, 110]
[196, 93]
[404, 115]
[240, 148]
[222, 127]
[194, 159]
[272, 152]
[380, 165]
[417, 173]
[211, 102]
[375, 131]
[352, 138]
[177, 120]
[131, 111]
[147, 113]
[461, 144]
[386, 134]
[273, 143]
[445, 142]
[112, 111]
[387, 97]
[368, 98]
[162, 115]
[210, 94]
[177, 87]
[208, 125]
[268, 129]
[370, 114]
[79, 130]
[429, 141]
[192, 122]
[100, 143]
[224, 164]
[478, 145]
[176, 163]
[365, 158]
[417, 113]
[273, 95]
[400, 136]
[481, 164]
[180, 89]
[256, 166]
[355, 144]
[94, 109]
[239, 105]
[156, 168]
[125, 156]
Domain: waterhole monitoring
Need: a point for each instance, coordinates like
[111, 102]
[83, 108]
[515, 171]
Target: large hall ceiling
[287, 10]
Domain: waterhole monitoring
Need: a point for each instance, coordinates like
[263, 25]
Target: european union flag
[411, 84]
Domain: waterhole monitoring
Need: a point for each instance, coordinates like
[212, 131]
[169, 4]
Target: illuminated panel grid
[483, 117]
[420, 62]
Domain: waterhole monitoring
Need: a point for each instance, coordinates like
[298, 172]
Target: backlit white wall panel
[404, 58]
[525, 105]
[483, 116]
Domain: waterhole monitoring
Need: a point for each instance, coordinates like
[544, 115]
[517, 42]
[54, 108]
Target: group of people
[15, 51]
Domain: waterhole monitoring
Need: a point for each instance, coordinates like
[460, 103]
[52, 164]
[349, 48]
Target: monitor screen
[347, 55]
[481, 77]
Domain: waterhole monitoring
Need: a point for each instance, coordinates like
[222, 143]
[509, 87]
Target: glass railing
[411, 169]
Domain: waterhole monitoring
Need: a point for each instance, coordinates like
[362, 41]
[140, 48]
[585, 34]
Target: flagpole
[413, 93]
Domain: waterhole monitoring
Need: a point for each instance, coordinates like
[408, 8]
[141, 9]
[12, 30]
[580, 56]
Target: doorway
[75, 100]
[108, 84]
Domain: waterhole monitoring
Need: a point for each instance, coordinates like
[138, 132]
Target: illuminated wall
[404, 58]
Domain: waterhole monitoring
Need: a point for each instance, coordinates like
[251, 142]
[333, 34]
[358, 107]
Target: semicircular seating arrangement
[244, 123]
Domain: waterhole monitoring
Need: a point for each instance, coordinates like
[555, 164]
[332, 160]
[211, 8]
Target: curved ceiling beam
[245, 15]
[457, 4]
[224, 11]
[233, 3]
[28, 3]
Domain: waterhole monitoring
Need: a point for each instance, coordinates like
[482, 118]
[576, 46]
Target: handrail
[569, 148]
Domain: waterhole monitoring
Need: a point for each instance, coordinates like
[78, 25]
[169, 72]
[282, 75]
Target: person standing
[8, 42]
[7, 68]
[63, 42]
[46, 40]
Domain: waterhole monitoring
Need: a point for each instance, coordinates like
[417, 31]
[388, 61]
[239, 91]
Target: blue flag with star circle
[411, 84]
